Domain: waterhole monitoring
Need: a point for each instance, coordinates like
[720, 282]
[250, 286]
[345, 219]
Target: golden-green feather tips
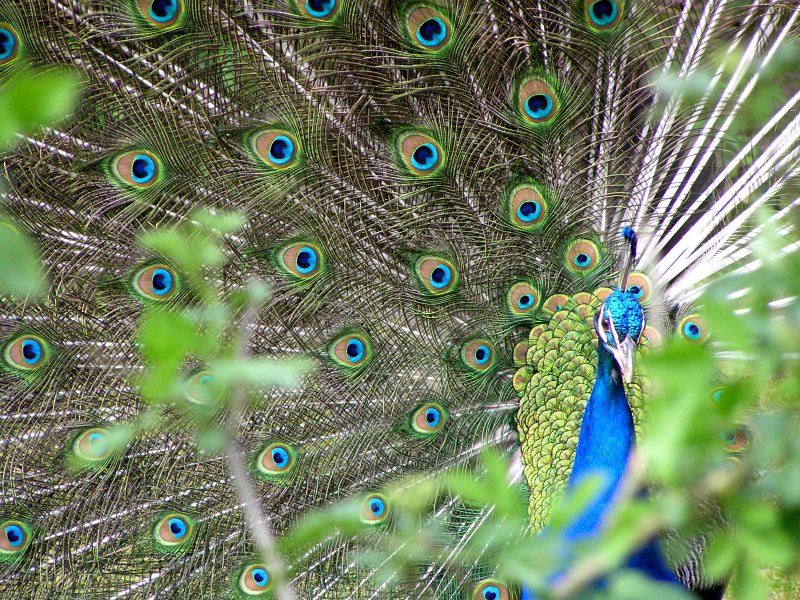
[275, 460]
[428, 28]
[419, 154]
[9, 44]
[436, 275]
[319, 10]
[155, 282]
[526, 205]
[26, 353]
[277, 149]
[351, 351]
[136, 169]
[301, 260]
[15, 538]
[161, 14]
[174, 532]
[253, 580]
[602, 15]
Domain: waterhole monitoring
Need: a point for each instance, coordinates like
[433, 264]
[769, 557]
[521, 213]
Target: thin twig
[254, 513]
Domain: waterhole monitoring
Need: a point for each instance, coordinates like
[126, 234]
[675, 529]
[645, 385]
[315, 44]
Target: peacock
[439, 193]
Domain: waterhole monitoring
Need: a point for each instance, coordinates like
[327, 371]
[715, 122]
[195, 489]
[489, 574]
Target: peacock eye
[9, 44]
[155, 282]
[255, 580]
[374, 509]
[174, 531]
[420, 154]
[14, 537]
[428, 418]
[321, 10]
[429, 29]
[489, 589]
[276, 459]
[605, 324]
[26, 353]
[538, 102]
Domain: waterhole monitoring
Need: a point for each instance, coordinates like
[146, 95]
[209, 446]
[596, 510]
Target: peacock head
[619, 323]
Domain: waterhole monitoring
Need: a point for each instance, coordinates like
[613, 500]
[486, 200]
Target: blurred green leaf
[21, 272]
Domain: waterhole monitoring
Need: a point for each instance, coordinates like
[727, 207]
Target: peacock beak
[624, 353]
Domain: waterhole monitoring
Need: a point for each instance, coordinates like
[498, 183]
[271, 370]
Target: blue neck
[604, 444]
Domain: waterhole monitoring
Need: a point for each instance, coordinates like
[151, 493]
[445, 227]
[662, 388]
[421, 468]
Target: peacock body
[434, 192]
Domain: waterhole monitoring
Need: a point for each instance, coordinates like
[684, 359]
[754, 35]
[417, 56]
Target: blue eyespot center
[525, 301]
[7, 43]
[306, 260]
[31, 351]
[432, 417]
[529, 211]
[491, 593]
[280, 457]
[691, 330]
[260, 577]
[441, 276]
[14, 535]
[320, 8]
[425, 157]
[377, 507]
[143, 169]
[162, 282]
[482, 354]
[603, 12]
[355, 350]
[177, 526]
[539, 106]
[281, 150]
[432, 32]
[163, 10]
[582, 259]
[636, 291]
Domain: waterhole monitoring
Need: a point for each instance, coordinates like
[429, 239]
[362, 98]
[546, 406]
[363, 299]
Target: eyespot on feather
[276, 459]
[436, 275]
[92, 446]
[319, 10]
[174, 531]
[651, 336]
[15, 537]
[478, 355]
[537, 101]
[428, 28]
[161, 14]
[137, 169]
[374, 509]
[521, 353]
[26, 353]
[737, 441]
[490, 589]
[602, 15]
[420, 154]
[9, 44]
[156, 282]
[640, 286]
[582, 256]
[277, 149]
[202, 389]
[429, 418]
[351, 351]
[255, 580]
[525, 207]
[694, 329]
[523, 299]
[302, 260]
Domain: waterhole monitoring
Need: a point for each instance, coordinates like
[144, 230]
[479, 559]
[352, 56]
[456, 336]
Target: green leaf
[20, 266]
[32, 99]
